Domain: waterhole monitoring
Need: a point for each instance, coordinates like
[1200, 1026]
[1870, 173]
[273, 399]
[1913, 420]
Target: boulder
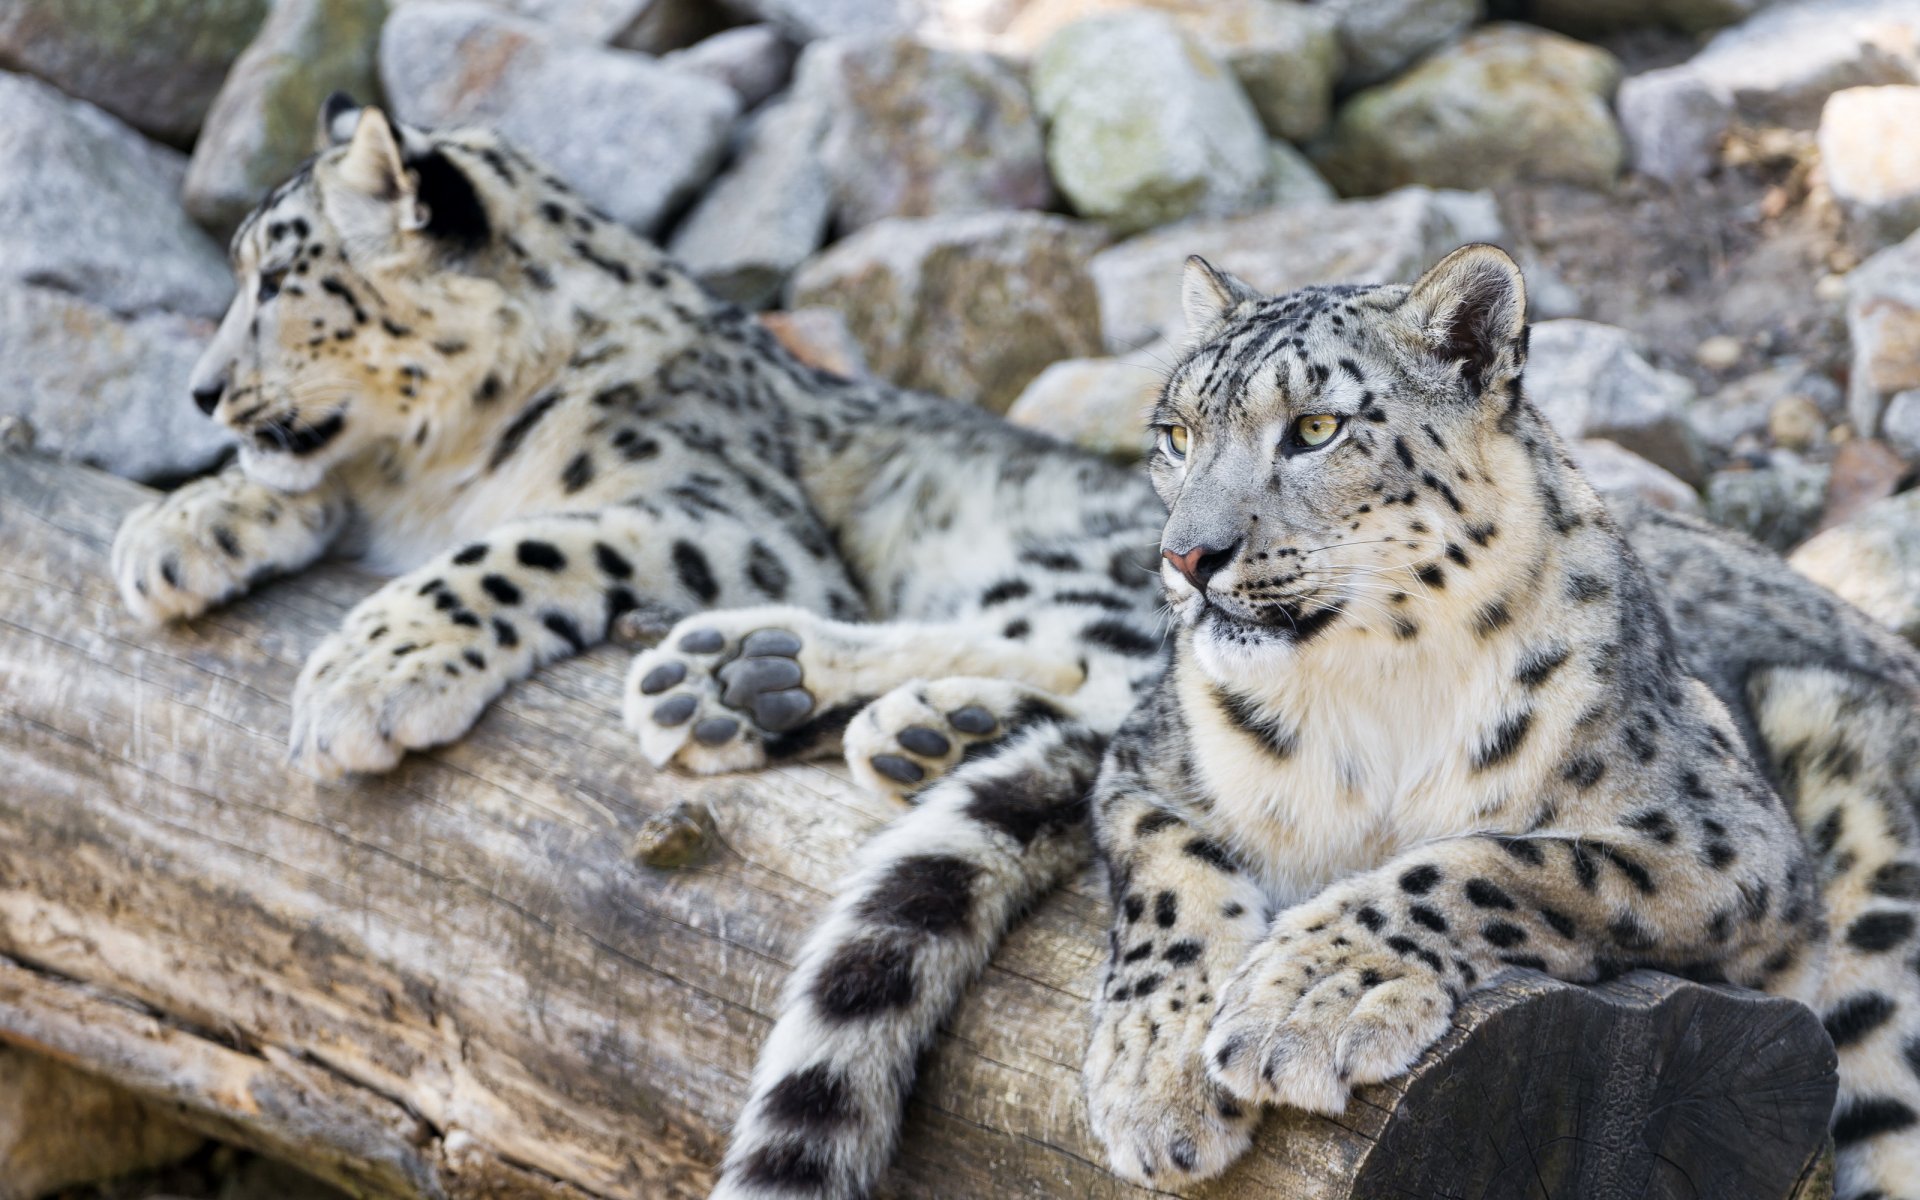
[767, 212]
[1508, 103]
[635, 137]
[818, 337]
[916, 131]
[1777, 503]
[89, 207]
[105, 389]
[1292, 179]
[1606, 16]
[1883, 325]
[156, 64]
[1384, 240]
[1872, 161]
[970, 306]
[1144, 126]
[1591, 383]
[1741, 416]
[1285, 55]
[754, 60]
[1617, 473]
[1872, 562]
[1099, 404]
[652, 26]
[1380, 37]
[1865, 471]
[808, 20]
[261, 125]
[1900, 424]
[1776, 68]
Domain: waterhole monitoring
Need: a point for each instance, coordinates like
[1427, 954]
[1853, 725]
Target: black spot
[1166, 910]
[500, 588]
[1422, 915]
[543, 556]
[1503, 935]
[1878, 932]
[223, 538]
[1629, 933]
[1492, 618]
[1558, 921]
[470, 554]
[578, 473]
[1418, 881]
[766, 571]
[816, 1098]
[1484, 893]
[521, 425]
[1134, 907]
[1052, 560]
[1370, 917]
[1897, 880]
[505, 634]
[1583, 771]
[694, 572]
[1523, 849]
[1538, 666]
[1583, 588]
[789, 1166]
[1120, 638]
[1154, 822]
[488, 391]
[1024, 806]
[1005, 590]
[611, 561]
[1273, 735]
[1858, 1120]
[1182, 952]
[1432, 576]
[562, 627]
[1212, 853]
[1655, 824]
[926, 893]
[864, 979]
[1627, 865]
[611, 266]
[1857, 1016]
[1504, 741]
[455, 214]
[1016, 629]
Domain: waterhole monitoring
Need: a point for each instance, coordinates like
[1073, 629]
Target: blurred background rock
[1716, 200]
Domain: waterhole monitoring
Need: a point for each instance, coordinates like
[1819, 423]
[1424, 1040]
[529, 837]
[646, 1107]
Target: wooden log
[459, 981]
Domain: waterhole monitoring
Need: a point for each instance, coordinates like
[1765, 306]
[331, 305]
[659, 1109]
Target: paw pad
[765, 681]
[898, 769]
[662, 677]
[921, 740]
[972, 719]
[674, 710]
[714, 730]
[703, 641]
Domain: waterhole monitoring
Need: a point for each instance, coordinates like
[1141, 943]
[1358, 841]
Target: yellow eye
[1175, 441]
[1315, 430]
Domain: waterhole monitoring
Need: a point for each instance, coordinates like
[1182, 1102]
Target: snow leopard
[1433, 713]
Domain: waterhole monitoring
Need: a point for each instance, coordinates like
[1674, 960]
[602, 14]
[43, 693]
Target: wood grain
[456, 982]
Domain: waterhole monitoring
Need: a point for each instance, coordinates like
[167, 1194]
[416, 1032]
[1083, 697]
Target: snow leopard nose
[207, 396]
[1200, 563]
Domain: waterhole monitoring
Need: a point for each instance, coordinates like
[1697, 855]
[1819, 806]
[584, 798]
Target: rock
[683, 836]
[1383, 240]
[1777, 505]
[808, 20]
[1883, 324]
[767, 212]
[1739, 417]
[1379, 37]
[104, 389]
[634, 137]
[1795, 422]
[1591, 383]
[916, 131]
[1777, 68]
[1285, 55]
[156, 64]
[970, 306]
[1144, 126]
[1099, 404]
[818, 337]
[1721, 352]
[88, 207]
[1872, 562]
[754, 60]
[1871, 161]
[1508, 103]
[60, 1127]
[1292, 179]
[1617, 472]
[1900, 424]
[261, 125]
[1605, 16]
[1864, 471]
[652, 26]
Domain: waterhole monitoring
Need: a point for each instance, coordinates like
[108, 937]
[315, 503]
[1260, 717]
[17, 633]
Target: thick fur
[1429, 722]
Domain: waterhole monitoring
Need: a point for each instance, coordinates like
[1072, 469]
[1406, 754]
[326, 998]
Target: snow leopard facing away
[443, 361]
[1426, 721]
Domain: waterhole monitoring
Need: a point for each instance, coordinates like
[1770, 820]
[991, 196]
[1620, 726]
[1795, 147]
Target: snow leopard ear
[1472, 308]
[381, 195]
[339, 113]
[1209, 296]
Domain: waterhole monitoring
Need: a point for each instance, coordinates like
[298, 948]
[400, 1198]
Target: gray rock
[1379, 37]
[634, 137]
[916, 131]
[970, 306]
[1144, 126]
[1778, 505]
[651, 26]
[754, 60]
[1605, 16]
[1777, 68]
[90, 207]
[1292, 180]
[1617, 473]
[767, 212]
[105, 389]
[155, 64]
[1872, 562]
[1508, 103]
[1591, 383]
[808, 20]
[261, 125]
[1391, 238]
[1099, 404]
[1739, 417]
[1883, 324]
[1871, 163]
[1900, 424]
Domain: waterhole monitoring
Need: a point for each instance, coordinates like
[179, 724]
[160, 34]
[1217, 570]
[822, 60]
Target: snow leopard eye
[1173, 440]
[270, 282]
[1316, 430]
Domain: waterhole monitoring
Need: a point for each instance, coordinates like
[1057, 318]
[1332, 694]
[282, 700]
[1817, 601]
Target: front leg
[1183, 918]
[212, 540]
[416, 663]
[1352, 986]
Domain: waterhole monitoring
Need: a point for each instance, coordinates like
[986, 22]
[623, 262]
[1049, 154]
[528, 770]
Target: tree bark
[461, 981]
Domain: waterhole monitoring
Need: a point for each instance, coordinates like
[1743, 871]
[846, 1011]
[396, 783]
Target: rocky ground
[1716, 200]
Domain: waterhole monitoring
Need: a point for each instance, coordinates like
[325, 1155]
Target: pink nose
[1199, 564]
